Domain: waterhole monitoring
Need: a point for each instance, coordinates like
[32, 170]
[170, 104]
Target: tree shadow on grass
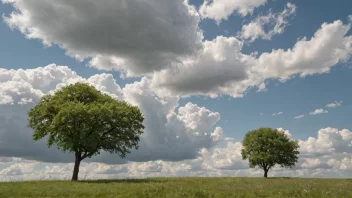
[106, 181]
[282, 178]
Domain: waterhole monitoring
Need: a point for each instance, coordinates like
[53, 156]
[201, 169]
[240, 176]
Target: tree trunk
[266, 173]
[76, 168]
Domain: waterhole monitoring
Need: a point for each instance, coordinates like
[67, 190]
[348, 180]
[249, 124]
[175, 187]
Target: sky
[203, 73]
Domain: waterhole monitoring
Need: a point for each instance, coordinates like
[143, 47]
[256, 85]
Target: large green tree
[82, 120]
[266, 147]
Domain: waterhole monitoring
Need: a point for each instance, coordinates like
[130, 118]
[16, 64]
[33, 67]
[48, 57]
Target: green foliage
[266, 147]
[80, 119]
[182, 187]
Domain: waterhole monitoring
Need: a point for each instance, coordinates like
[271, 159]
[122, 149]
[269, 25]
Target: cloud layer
[318, 111]
[172, 132]
[299, 117]
[221, 9]
[277, 114]
[334, 104]
[222, 69]
[327, 155]
[162, 40]
[135, 36]
[275, 22]
[178, 141]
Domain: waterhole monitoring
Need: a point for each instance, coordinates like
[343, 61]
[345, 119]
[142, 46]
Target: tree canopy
[266, 147]
[82, 120]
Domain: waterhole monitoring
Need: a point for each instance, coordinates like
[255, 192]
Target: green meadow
[182, 187]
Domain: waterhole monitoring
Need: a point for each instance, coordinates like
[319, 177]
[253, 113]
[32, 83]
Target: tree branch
[107, 132]
[85, 155]
[269, 167]
[94, 125]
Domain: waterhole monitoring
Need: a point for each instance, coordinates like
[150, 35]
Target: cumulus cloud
[286, 132]
[18, 169]
[173, 132]
[326, 155]
[278, 113]
[299, 117]
[161, 39]
[229, 139]
[326, 48]
[215, 70]
[17, 92]
[222, 9]
[221, 68]
[227, 158]
[266, 26]
[330, 141]
[16, 139]
[334, 104]
[27, 86]
[178, 141]
[134, 36]
[318, 111]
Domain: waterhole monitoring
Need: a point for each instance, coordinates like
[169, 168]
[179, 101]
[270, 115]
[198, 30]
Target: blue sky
[297, 96]
[146, 60]
[238, 115]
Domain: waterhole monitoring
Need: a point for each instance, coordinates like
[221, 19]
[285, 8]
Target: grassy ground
[182, 187]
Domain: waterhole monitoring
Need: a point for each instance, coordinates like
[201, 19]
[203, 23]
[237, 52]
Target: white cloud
[180, 139]
[134, 36]
[229, 139]
[18, 169]
[221, 68]
[299, 117]
[286, 132]
[171, 49]
[27, 86]
[173, 132]
[266, 26]
[346, 164]
[213, 71]
[229, 158]
[278, 113]
[334, 104]
[170, 134]
[318, 111]
[326, 48]
[222, 9]
[330, 141]
[17, 92]
[327, 155]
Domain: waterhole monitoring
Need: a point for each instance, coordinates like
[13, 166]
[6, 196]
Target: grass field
[182, 187]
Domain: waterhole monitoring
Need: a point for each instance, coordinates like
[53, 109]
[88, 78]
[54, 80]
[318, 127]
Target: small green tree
[82, 120]
[266, 147]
